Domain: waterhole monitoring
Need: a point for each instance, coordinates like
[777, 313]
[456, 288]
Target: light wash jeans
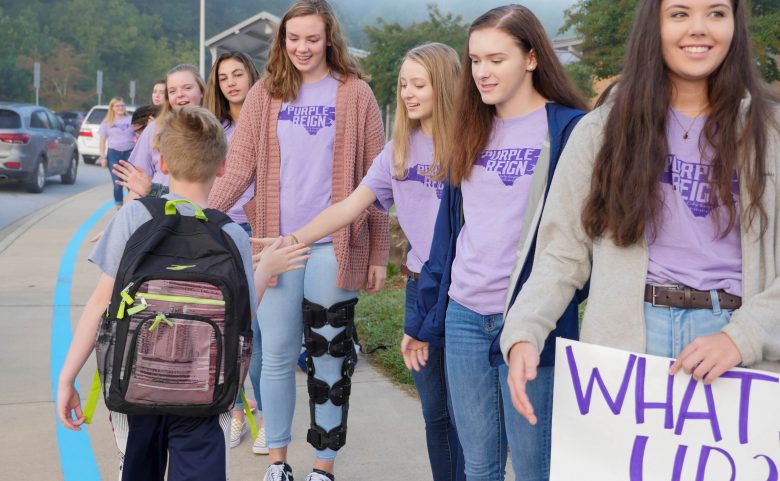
[444, 451]
[670, 329]
[482, 405]
[281, 322]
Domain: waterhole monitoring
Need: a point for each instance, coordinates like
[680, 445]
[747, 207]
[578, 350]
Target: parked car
[89, 141]
[35, 144]
[71, 118]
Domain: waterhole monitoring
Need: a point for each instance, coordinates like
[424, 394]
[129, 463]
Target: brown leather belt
[413, 275]
[687, 298]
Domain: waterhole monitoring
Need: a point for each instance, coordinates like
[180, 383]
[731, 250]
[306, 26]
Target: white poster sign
[619, 416]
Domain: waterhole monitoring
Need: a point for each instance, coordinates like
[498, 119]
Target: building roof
[253, 36]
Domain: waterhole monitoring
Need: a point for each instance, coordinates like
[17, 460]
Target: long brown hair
[214, 100]
[443, 66]
[282, 79]
[474, 119]
[625, 196]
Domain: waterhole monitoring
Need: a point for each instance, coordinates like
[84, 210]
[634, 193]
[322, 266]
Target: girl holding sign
[667, 198]
[309, 130]
[517, 107]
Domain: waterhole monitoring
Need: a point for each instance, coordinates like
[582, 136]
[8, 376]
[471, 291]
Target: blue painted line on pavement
[76, 456]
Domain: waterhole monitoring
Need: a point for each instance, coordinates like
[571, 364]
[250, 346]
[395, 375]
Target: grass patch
[380, 321]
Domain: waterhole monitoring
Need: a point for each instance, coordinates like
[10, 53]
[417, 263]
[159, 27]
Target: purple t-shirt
[688, 249]
[120, 135]
[237, 211]
[306, 132]
[146, 158]
[494, 202]
[416, 197]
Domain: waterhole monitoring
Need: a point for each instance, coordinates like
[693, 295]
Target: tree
[604, 26]
[62, 70]
[17, 34]
[389, 42]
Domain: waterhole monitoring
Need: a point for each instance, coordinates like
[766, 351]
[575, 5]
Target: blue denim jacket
[434, 283]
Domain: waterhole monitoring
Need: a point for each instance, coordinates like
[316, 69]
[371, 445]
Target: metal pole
[202, 38]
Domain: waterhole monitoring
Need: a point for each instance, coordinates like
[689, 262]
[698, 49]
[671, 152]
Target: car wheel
[88, 159]
[38, 178]
[69, 177]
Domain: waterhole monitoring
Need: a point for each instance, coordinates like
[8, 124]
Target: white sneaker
[260, 446]
[314, 476]
[278, 472]
[238, 428]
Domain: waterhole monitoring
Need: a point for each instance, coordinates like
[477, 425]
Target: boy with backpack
[173, 344]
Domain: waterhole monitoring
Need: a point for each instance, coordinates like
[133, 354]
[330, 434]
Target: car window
[39, 120]
[55, 122]
[10, 120]
[96, 116]
[68, 115]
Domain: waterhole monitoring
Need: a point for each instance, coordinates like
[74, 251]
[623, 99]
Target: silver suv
[35, 144]
[89, 140]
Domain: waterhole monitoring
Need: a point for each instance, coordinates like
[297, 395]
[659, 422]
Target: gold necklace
[685, 134]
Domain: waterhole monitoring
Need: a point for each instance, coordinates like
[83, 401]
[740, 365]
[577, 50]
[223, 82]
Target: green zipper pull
[135, 310]
[120, 313]
[157, 320]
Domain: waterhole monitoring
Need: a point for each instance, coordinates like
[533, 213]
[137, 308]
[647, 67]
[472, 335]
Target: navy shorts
[196, 447]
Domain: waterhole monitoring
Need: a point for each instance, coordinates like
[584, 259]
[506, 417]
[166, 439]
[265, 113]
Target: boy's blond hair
[193, 143]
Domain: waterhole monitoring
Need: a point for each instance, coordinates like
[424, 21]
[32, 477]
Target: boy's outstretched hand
[68, 400]
[132, 177]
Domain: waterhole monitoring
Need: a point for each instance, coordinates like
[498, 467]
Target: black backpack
[177, 337]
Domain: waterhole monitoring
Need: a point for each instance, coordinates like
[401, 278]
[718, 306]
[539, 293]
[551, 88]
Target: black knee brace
[315, 316]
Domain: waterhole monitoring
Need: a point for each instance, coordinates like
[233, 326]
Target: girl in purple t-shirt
[408, 173]
[666, 198]
[512, 102]
[184, 87]
[116, 133]
[308, 133]
[230, 79]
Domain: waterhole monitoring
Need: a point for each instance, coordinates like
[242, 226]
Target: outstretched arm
[336, 216]
[80, 348]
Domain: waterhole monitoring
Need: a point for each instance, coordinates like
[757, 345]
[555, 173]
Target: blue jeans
[444, 451]
[478, 391]
[256, 361]
[670, 329]
[112, 158]
[281, 322]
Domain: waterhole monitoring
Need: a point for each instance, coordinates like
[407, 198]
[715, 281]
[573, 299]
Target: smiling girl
[183, 87]
[309, 131]
[666, 197]
[407, 174]
[516, 109]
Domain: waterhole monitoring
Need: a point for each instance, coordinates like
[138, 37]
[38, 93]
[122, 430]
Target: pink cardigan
[254, 152]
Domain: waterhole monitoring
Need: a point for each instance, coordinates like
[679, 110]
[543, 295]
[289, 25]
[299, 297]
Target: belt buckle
[653, 286]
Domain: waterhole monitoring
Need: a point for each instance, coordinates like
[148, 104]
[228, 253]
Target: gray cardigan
[614, 315]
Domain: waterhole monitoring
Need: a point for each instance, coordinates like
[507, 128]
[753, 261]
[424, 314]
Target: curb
[23, 225]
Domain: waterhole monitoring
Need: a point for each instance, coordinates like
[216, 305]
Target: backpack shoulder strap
[155, 206]
[219, 218]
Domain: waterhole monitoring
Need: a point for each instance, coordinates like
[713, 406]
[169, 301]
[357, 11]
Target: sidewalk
[386, 437]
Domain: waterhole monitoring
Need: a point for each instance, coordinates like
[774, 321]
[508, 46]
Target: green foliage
[582, 75]
[380, 322]
[389, 42]
[18, 34]
[604, 26]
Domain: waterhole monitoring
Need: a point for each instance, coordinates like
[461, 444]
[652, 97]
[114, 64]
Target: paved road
[41, 301]
[16, 203]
